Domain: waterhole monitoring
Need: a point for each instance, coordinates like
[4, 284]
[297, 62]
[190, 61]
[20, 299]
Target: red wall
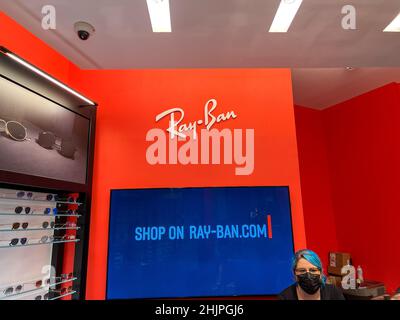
[23, 43]
[319, 217]
[349, 159]
[363, 137]
[129, 102]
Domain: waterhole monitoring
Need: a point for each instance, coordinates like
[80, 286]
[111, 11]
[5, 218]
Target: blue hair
[312, 258]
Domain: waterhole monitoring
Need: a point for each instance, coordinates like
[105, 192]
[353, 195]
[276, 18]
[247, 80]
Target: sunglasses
[51, 197]
[65, 276]
[66, 225]
[63, 290]
[26, 210]
[24, 225]
[69, 199]
[48, 140]
[21, 194]
[48, 239]
[17, 225]
[39, 283]
[18, 289]
[15, 241]
[15, 194]
[49, 210]
[45, 224]
[70, 212]
[44, 297]
[14, 130]
[11, 290]
[64, 237]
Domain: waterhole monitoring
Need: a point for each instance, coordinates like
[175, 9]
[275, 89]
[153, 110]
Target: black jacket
[328, 292]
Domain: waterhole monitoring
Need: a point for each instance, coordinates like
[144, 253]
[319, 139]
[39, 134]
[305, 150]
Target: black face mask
[310, 283]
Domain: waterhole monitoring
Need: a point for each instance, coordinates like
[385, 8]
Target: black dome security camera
[84, 30]
[83, 35]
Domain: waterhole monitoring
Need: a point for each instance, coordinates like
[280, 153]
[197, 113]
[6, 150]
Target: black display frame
[27, 79]
[197, 187]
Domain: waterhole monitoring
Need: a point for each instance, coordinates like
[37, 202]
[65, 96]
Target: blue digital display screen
[199, 242]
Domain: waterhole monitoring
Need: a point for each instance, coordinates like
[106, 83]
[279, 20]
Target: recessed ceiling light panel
[394, 26]
[159, 15]
[284, 16]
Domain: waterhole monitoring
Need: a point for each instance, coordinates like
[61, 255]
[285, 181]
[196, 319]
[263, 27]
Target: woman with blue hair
[310, 280]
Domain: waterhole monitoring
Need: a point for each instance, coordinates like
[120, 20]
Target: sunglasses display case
[40, 230]
[47, 146]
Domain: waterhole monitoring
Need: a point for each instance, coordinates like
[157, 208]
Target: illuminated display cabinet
[47, 144]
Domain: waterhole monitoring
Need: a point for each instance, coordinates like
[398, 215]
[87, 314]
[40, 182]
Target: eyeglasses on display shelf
[42, 297]
[38, 198]
[40, 229]
[6, 210]
[10, 290]
[63, 279]
[67, 225]
[46, 239]
[26, 210]
[67, 212]
[49, 284]
[68, 206]
[70, 199]
[16, 225]
[62, 291]
[23, 242]
[45, 225]
[27, 195]
[65, 276]
[17, 289]
[17, 241]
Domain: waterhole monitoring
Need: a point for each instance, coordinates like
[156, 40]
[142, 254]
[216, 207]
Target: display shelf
[40, 215]
[40, 229]
[36, 202]
[38, 244]
[47, 286]
[62, 217]
[64, 295]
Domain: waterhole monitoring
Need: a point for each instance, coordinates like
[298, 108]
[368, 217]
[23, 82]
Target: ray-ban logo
[195, 142]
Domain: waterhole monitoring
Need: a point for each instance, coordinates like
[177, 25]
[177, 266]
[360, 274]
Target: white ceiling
[321, 88]
[216, 34]
[231, 33]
